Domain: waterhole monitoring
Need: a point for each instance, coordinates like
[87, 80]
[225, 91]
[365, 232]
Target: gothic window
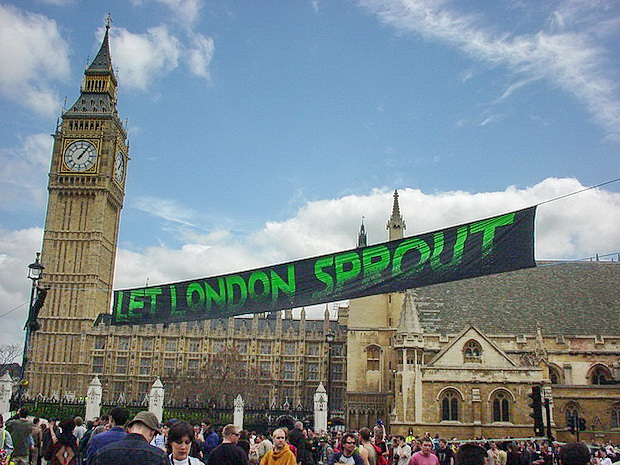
[373, 358]
[147, 344]
[265, 368]
[121, 365]
[572, 410]
[313, 349]
[143, 389]
[123, 343]
[194, 345]
[313, 371]
[97, 365]
[450, 406]
[192, 364]
[599, 375]
[265, 347]
[218, 346]
[171, 345]
[289, 370]
[100, 343]
[337, 371]
[615, 416]
[501, 407]
[554, 376]
[242, 347]
[289, 348]
[337, 350]
[145, 366]
[472, 352]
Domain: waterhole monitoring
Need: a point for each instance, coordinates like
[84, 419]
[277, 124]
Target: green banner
[493, 245]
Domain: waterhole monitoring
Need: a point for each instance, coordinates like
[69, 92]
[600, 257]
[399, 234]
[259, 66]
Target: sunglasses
[349, 442]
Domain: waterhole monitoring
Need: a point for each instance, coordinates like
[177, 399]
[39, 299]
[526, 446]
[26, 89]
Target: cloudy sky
[263, 131]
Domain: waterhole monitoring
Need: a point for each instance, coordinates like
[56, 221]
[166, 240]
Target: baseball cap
[147, 418]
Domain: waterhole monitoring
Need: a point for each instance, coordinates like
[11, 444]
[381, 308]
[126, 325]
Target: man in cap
[134, 449]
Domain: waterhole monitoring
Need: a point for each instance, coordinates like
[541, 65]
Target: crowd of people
[115, 439]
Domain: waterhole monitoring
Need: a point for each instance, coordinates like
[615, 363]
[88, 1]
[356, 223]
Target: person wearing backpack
[6, 443]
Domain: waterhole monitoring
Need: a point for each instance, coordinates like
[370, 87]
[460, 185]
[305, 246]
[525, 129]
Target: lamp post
[329, 338]
[35, 271]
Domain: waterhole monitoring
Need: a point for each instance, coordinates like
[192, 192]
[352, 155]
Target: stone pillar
[238, 415]
[6, 390]
[93, 399]
[156, 399]
[320, 409]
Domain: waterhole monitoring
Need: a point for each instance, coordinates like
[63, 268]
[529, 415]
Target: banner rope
[576, 192]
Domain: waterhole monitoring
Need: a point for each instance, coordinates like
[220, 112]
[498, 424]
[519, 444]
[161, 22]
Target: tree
[8, 354]
[219, 379]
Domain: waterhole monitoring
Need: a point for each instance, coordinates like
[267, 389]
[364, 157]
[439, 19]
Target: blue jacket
[211, 442]
[130, 450]
[103, 439]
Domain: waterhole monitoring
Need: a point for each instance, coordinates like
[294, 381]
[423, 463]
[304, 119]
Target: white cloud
[200, 55]
[572, 228]
[23, 171]
[33, 55]
[144, 57]
[569, 55]
[185, 11]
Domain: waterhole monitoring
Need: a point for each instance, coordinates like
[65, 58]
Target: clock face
[80, 155]
[119, 167]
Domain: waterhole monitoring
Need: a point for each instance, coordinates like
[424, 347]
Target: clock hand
[79, 157]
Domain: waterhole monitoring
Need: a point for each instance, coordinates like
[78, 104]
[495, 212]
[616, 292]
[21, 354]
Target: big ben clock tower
[86, 190]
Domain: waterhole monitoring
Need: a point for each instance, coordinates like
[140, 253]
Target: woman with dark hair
[180, 440]
[63, 449]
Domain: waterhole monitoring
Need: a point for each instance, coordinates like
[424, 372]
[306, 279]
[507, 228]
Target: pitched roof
[565, 298]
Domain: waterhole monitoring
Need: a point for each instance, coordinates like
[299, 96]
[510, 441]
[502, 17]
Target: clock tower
[86, 190]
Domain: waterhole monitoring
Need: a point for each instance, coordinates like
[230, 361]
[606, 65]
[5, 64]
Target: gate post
[6, 391]
[238, 415]
[156, 399]
[320, 409]
[93, 399]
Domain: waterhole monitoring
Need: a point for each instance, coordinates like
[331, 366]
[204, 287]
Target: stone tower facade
[86, 191]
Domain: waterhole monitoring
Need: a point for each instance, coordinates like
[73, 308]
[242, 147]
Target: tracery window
[571, 411]
[373, 358]
[554, 376]
[472, 351]
[615, 416]
[501, 407]
[450, 406]
[599, 375]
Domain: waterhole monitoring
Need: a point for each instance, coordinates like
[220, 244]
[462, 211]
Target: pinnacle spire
[362, 240]
[396, 223]
[409, 317]
[103, 60]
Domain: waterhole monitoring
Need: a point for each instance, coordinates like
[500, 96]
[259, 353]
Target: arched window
[450, 406]
[373, 358]
[501, 407]
[571, 410]
[554, 376]
[599, 375]
[472, 351]
[615, 416]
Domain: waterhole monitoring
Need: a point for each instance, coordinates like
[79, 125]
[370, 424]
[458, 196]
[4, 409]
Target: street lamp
[329, 338]
[35, 271]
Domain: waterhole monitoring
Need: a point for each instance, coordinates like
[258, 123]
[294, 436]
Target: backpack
[5, 458]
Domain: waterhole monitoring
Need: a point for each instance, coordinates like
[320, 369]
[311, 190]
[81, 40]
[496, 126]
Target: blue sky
[264, 131]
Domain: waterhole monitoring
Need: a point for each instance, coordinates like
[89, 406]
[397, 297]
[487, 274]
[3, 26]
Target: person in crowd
[601, 458]
[20, 429]
[117, 418]
[575, 453]
[402, 452]
[471, 454]
[37, 436]
[83, 444]
[444, 453]
[134, 448]
[102, 425]
[52, 428]
[381, 443]
[198, 434]
[264, 446]
[426, 455]
[181, 437]
[244, 441]
[63, 450]
[348, 454]
[6, 443]
[325, 449]
[79, 429]
[211, 438]
[367, 450]
[493, 454]
[227, 453]
[281, 453]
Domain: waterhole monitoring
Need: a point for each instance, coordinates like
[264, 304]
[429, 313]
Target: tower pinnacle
[362, 240]
[396, 224]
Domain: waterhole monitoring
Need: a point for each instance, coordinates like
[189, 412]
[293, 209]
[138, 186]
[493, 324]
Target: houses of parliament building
[456, 358]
